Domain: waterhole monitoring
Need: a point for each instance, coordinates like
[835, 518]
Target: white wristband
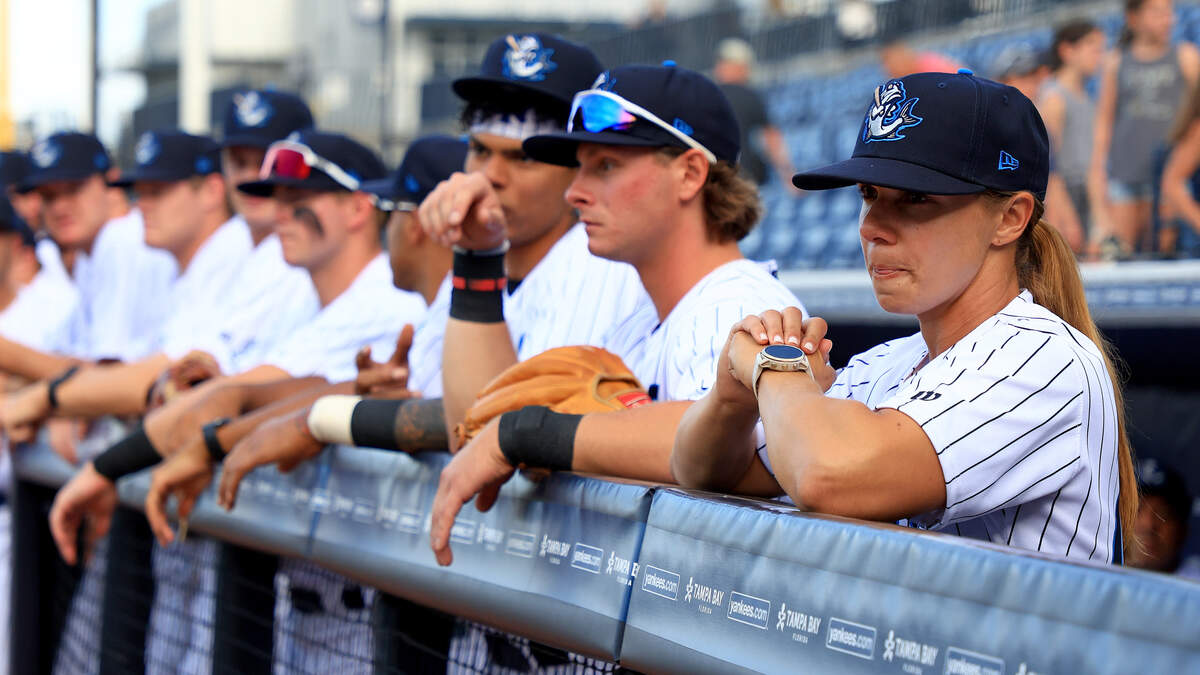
[329, 418]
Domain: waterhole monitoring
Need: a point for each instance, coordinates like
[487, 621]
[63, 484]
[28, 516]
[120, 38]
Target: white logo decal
[251, 109]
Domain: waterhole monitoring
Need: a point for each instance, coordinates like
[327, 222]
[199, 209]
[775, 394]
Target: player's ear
[693, 174]
[1014, 218]
[362, 211]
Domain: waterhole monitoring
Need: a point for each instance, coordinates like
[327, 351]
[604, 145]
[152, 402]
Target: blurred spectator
[14, 166]
[899, 59]
[1069, 113]
[1142, 84]
[1020, 66]
[1162, 523]
[1178, 208]
[762, 141]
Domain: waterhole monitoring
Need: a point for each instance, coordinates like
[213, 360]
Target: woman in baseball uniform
[1001, 419]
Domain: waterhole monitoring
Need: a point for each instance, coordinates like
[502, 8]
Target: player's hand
[24, 410]
[88, 496]
[480, 469]
[181, 422]
[187, 372]
[185, 475]
[285, 441]
[785, 327]
[465, 211]
[390, 378]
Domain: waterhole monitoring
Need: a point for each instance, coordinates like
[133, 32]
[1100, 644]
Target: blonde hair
[1046, 268]
[731, 203]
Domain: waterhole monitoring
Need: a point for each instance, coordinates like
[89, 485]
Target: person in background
[1141, 86]
[1179, 211]
[1020, 66]
[899, 59]
[1069, 113]
[1162, 521]
[762, 141]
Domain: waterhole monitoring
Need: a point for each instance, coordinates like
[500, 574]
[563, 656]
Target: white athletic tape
[517, 127]
[329, 418]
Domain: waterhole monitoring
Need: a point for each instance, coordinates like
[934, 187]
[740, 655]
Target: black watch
[212, 442]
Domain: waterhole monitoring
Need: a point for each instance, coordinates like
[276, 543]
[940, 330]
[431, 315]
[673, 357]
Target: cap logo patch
[1007, 162]
[682, 126]
[251, 109]
[891, 113]
[45, 154]
[411, 184]
[146, 149]
[526, 59]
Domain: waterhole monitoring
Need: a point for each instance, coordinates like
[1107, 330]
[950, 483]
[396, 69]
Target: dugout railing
[656, 578]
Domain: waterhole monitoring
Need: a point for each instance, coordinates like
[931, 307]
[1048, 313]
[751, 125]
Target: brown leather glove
[575, 380]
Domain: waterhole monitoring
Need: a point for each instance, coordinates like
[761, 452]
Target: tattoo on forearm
[421, 425]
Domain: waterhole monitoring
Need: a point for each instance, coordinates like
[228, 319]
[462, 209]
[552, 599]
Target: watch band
[211, 442]
[796, 361]
[52, 387]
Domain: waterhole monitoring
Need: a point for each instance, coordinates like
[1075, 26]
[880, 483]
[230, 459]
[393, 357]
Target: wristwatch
[784, 358]
[212, 442]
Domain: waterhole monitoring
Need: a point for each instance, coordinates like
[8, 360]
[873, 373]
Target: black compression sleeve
[129, 455]
[538, 437]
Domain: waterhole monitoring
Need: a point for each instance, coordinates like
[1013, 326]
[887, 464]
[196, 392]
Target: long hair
[1046, 267]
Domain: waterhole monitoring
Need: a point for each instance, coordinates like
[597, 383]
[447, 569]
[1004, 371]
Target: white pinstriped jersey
[200, 296]
[370, 312]
[677, 359]
[1022, 415]
[40, 316]
[268, 302]
[571, 297]
[425, 355]
[124, 286]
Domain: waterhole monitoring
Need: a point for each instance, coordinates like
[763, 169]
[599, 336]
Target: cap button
[965, 71]
[669, 63]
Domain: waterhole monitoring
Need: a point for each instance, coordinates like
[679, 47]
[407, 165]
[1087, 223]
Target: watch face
[783, 352]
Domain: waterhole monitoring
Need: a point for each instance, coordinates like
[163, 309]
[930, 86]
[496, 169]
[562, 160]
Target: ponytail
[1046, 267]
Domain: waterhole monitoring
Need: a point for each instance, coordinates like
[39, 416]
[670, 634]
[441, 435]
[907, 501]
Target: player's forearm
[258, 395]
[31, 364]
[472, 355]
[633, 443]
[118, 389]
[713, 446]
[295, 405]
[408, 425]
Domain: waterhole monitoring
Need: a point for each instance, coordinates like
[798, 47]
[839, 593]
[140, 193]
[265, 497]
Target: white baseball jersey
[268, 302]
[571, 297]
[677, 359]
[200, 296]
[1022, 415]
[42, 314]
[425, 355]
[370, 312]
[124, 285]
[50, 258]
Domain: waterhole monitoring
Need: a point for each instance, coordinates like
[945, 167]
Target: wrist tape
[129, 455]
[538, 437]
[478, 283]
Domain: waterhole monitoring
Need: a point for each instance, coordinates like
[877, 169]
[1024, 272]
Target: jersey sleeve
[1007, 422]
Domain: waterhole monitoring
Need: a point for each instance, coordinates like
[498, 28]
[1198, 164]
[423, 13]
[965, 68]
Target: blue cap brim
[266, 188]
[247, 141]
[149, 175]
[888, 173]
[485, 88]
[384, 188]
[66, 174]
[561, 148]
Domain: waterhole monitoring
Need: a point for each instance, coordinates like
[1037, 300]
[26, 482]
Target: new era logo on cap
[1008, 162]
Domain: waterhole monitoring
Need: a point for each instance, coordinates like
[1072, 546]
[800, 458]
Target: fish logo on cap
[45, 154]
[891, 113]
[527, 59]
[146, 150]
[251, 109]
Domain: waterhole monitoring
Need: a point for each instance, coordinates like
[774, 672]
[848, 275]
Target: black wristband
[52, 388]
[129, 455]
[373, 422]
[477, 292]
[211, 442]
[538, 437]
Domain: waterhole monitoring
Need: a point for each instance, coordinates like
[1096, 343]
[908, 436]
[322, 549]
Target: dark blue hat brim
[247, 141]
[888, 173]
[561, 148]
[483, 88]
[41, 178]
[266, 187]
[149, 175]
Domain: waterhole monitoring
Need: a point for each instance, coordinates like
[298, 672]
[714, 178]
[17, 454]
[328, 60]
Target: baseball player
[1000, 420]
[181, 195]
[665, 197]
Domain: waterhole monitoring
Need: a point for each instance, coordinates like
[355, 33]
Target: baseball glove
[576, 380]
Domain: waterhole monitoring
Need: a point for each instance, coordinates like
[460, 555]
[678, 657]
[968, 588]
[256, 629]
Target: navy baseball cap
[14, 167]
[427, 162]
[1158, 479]
[946, 134]
[258, 118]
[316, 160]
[11, 222]
[650, 106]
[171, 155]
[65, 156]
[521, 64]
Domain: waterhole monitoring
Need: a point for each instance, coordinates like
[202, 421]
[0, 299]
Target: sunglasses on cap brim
[289, 159]
[385, 204]
[599, 110]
